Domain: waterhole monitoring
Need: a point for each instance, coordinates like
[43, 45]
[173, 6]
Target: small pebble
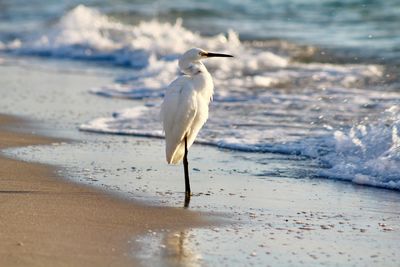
[306, 228]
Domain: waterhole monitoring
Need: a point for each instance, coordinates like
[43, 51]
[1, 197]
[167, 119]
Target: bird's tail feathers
[175, 156]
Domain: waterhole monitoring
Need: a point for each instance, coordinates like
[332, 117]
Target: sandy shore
[48, 221]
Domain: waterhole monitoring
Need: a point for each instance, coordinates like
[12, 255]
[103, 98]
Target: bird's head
[194, 55]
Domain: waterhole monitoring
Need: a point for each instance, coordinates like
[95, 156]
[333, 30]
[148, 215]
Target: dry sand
[48, 221]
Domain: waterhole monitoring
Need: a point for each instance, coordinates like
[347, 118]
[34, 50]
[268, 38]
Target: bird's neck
[192, 68]
[201, 78]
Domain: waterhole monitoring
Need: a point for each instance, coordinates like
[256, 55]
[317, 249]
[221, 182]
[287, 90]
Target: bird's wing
[178, 112]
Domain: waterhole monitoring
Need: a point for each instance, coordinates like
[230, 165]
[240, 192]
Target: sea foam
[152, 49]
[368, 153]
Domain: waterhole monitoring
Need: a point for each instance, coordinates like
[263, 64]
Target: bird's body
[185, 110]
[185, 107]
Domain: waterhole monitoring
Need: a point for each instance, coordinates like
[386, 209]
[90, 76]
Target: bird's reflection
[178, 250]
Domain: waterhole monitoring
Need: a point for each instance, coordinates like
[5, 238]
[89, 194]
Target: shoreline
[47, 220]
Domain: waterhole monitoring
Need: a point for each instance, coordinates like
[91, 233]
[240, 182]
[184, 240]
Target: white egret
[185, 107]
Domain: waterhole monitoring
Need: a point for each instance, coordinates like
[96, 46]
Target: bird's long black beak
[209, 54]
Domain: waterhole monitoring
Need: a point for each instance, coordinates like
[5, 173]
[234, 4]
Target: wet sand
[49, 221]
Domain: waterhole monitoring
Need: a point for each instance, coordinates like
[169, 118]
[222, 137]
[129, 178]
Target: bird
[184, 109]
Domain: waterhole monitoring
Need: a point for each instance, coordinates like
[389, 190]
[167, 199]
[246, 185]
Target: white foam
[368, 153]
[153, 47]
[122, 123]
[86, 33]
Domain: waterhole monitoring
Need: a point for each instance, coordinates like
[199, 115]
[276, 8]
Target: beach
[297, 164]
[112, 200]
[48, 221]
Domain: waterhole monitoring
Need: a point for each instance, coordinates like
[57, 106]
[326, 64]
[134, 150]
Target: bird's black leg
[186, 169]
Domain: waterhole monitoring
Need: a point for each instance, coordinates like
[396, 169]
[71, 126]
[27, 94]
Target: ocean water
[318, 79]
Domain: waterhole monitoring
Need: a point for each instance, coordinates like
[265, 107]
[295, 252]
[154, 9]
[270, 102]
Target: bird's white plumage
[185, 107]
[178, 112]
